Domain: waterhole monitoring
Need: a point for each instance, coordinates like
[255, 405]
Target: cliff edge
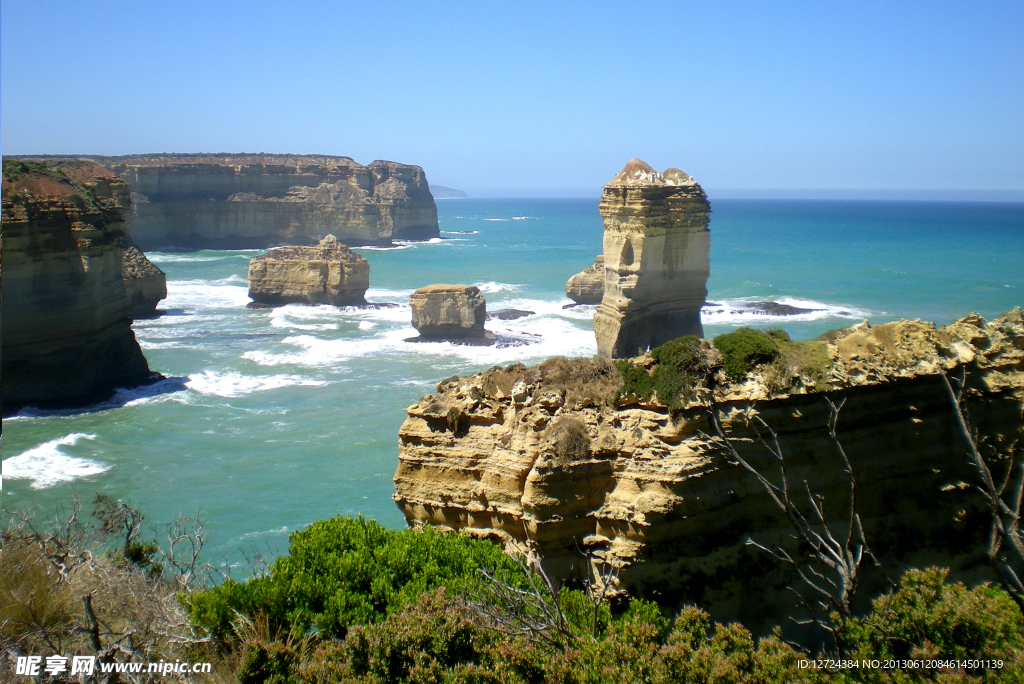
[615, 459]
[67, 337]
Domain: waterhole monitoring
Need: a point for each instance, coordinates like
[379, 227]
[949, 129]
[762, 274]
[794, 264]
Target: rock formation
[144, 283]
[449, 312]
[656, 258]
[329, 273]
[237, 201]
[552, 456]
[587, 286]
[67, 337]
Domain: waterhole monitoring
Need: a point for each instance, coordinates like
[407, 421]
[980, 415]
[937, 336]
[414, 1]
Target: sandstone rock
[649, 491]
[144, 283]
[587, 286]
[239, 201]
[329, 273]
[67, 337]
[449, 312]
[657, 260]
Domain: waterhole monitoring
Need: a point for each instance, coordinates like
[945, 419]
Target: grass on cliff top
[681, 364]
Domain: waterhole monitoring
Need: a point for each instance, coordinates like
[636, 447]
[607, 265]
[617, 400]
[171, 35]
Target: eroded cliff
[329, 273]
[563, 456]
[656, 259]
[67, 337]
[236, 201]
[144, 283]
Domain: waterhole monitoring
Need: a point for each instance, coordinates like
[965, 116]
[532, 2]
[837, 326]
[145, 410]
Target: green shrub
[345, 571]
[680, 364]
[928, 618]
[745, 348]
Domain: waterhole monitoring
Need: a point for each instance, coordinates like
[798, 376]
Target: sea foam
[231, 384]
[47, 465]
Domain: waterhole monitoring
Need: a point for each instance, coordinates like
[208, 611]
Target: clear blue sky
[543, 98]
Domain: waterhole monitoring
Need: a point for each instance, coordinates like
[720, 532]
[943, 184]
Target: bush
[744, 349]
[926, 618]
[342, 572]
[569, 438]
[680, 365]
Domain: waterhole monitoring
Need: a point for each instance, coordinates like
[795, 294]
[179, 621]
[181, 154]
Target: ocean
[271, 419]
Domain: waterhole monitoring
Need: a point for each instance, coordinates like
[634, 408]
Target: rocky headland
[329, 273]
[450, 312]
[144, 283]
[656, 259]
[67, 337]
[617, 460]
[587, 286]
[242, 201]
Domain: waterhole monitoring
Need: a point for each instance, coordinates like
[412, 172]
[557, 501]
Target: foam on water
[493, 287]
[47, 465]
[231, 384]
[734, 311]
[497, 220]
[198, 295]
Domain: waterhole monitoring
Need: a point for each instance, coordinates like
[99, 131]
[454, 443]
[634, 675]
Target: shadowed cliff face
[656, 260]
[564, 465]
[67, 337]
[255, 201]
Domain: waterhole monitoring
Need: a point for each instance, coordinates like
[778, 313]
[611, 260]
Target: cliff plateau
[67, 337]
[563, 457]
[238, 201]
[656, 259]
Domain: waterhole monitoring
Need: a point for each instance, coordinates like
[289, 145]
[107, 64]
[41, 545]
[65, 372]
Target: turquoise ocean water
[271, 419]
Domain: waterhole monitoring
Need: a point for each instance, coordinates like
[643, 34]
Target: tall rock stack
[67, 336]
[657, 260]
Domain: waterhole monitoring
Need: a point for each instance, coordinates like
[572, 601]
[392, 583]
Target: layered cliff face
[554, 457]
[329, 273]
[656, 257]
[587, 286]
[67, 337]
[255, 200]
[144, 283]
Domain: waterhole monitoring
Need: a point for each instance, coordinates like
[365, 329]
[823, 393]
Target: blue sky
[536, 99]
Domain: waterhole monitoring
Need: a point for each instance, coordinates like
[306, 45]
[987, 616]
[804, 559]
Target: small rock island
[450, 312]
[587, 286]
[329, 273]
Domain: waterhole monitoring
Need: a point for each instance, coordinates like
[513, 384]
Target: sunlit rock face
[449, 312]
[656, 258]
[240, 201]
[67, 336]
[329, 273]
[587, 286]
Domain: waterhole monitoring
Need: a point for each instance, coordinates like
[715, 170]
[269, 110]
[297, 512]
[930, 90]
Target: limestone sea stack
[449, 312]
[329, 273]
[67, 336]
[243, 201]
[144, 283]
[656, 258]
[587, 286]
[556, 456]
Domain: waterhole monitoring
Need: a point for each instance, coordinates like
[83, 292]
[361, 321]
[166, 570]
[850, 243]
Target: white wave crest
[492, 287]
[230, 384]
[199, 295]
[46, 465]
[741, 311]
[497, 220]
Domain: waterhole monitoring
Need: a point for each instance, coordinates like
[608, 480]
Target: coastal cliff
[566, 458]
[656, 259]
[238, 201]
[67, 337]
